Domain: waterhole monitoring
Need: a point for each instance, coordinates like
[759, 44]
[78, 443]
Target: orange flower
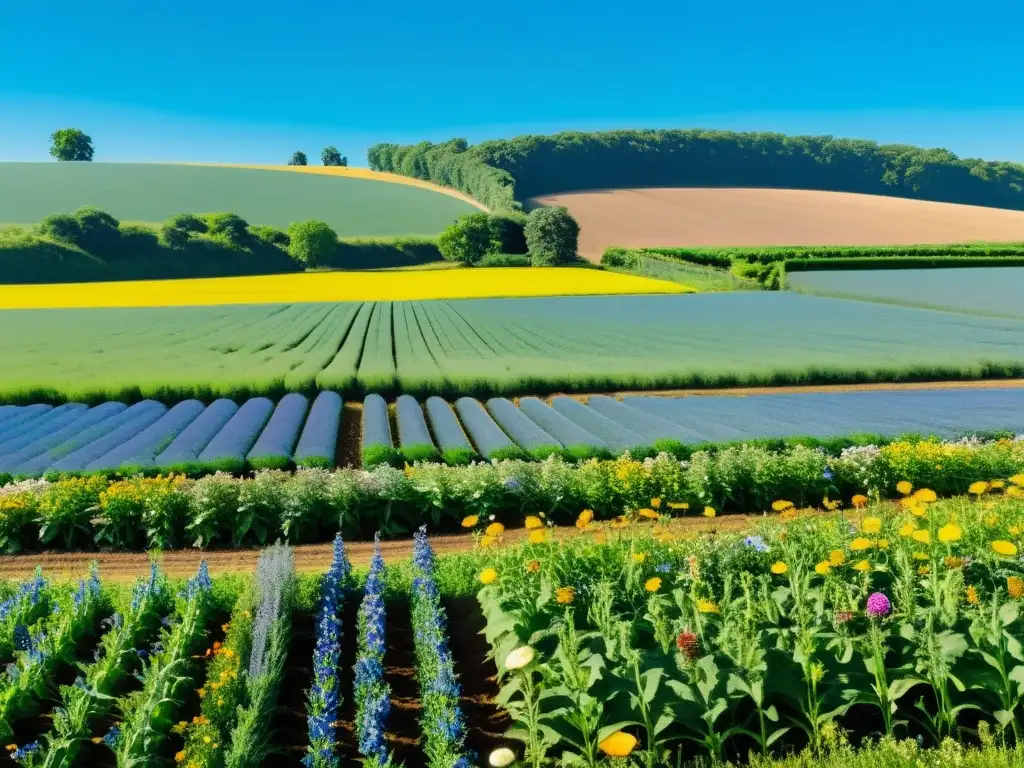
[859, 500]
[532, 522]
[1015, 586]
[533, 566]
[653, 584]
[494, 529]
[565, 595]
[619, 744]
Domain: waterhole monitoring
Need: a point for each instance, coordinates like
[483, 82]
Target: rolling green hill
[354, 207]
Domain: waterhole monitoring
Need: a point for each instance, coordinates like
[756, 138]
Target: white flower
[501, 757]
[519, 658]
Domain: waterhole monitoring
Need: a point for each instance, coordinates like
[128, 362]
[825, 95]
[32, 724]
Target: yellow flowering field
[503, 282]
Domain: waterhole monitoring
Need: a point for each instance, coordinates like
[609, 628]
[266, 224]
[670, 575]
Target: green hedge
[504, 173]
[91, 246]
[912, 262]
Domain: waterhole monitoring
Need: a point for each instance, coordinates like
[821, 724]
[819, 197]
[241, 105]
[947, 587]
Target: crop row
[188, 437]
[605, 426]
[485, 347]
[805, 633]
[308, 505]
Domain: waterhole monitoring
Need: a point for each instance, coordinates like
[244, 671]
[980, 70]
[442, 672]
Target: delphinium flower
[324, 696]
[21, 753]
[756, 543]
[372, 694]
[442, 722]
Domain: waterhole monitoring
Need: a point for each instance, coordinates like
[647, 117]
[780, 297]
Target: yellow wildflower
[882, 543]
[921, 536]
[978, 488]
[533, 566]
[678, 505]
[822, 568]
[532, 521]
[925, 495]
[1017, 479]
[488, 576]
[656, 503]
[836, 558]
[653, 584]
[972, 596]
[871, 524]
[538, 536]
[650, 514]
[707, 606]
[779, 568]
[1005, 548]
[494, 529]
[565, 595]
[1015, 586]
[859, 500]
[904, 487]
[782, 505]
[619, 744]
[486, 541]
[919, 555]
[860, 544]
[179, 757]
[709, 511]
[639, 557]
[949, 533]
[862, 565]
[997, 484]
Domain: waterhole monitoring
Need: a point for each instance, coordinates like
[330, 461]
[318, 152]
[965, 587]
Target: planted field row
[241, 672]
[604, 426]
[187, 437]
[801, 638]
[484, 347]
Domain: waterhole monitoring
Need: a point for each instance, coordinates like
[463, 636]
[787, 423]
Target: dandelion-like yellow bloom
[179, 757]
[836, 558]
[978, 488]
[707, 606]
[494, 529]
[860, 544]
[619, 744]
[1017, 480]
[997, 484]
[862, 565]
[586, 516]
[639, 557]
[919, 555]
[950, 533]
[565, 595]
[709, 511]
[971, 596]
[921, 536]
[656, 503]
[859, 500]
[904, 487]
[823, 568]
[779, 568]
[538, 536]
[882, 543]
[488, 576]
[907, 530]
[652, 584]
[782, 505]
[532, 521]
[1004, 548]
[871, 524]
[486, 541]
[650, 514]
[533, 566]
[925, 495]
[1015, 586]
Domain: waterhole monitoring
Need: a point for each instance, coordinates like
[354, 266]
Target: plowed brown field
[738, 217]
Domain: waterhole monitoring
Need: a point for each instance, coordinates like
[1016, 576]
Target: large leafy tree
[69, 144]
[468, 240]
[552, 236]
[298, 158]
[331, 156]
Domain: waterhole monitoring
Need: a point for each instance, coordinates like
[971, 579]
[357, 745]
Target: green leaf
[1008, 613]
[899, 688]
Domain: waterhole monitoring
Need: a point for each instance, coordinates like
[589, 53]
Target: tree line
[505, 173]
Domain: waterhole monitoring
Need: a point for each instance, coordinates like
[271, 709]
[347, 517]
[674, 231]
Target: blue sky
[232, 81]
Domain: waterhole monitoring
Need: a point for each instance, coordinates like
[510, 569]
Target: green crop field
[355, 207]
[492, 345]
[995, 291]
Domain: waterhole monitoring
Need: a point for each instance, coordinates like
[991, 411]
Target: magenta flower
[878, 605]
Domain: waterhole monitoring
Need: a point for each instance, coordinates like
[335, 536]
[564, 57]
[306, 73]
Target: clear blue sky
[234, 81]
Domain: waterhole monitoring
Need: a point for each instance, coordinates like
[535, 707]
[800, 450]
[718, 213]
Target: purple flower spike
[878, 605]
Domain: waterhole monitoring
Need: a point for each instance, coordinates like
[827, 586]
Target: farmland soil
[403, 728]
[308, 557]
[636, 218]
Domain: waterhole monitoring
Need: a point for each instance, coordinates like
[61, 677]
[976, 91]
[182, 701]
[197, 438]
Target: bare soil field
[750, 217]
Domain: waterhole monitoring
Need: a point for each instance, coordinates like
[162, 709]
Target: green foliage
[384, 253]
[508, 232]
[331, 156]
[505, 260]
[270, 235]
[552, 236]
[229, 226]
[298, 158]
[100, 232]
[312, 243]
[61, 226]
[71, 144]
[468, 239]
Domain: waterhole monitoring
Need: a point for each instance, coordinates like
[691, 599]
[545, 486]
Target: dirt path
[308, 557]
[668, 217]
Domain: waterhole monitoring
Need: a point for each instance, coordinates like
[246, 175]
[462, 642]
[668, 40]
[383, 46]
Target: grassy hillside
[353, 206]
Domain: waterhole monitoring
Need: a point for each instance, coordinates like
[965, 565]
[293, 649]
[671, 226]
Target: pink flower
[878, 605]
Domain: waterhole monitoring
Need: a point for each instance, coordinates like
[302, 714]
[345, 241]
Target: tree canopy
[71, 144]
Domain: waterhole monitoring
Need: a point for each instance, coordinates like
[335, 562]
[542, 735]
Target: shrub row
[91, 245]
[768, 265]
[310, 505]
